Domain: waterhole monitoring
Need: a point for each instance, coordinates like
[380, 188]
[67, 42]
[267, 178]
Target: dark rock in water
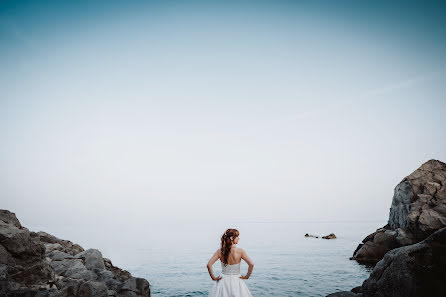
[42, 265]
[309, 235]
[411, 271]
[376, 245]
[345, 294]
[330, 236]
[417, 270]
[357, 289]
[418, 210]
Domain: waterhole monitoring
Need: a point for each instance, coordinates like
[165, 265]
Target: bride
[230, 283]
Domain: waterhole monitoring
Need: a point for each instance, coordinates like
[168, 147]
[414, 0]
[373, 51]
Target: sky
[175, 111]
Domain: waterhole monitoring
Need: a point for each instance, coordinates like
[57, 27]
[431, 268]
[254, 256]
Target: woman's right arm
[250, 264]
[211, 262]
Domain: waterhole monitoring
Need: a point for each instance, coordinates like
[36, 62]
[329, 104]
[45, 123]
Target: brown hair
[226, 243]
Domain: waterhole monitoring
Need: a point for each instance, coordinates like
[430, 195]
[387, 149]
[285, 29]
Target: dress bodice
[230, 269]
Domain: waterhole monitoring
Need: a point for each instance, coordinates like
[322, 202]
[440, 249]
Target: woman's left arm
[211, 262]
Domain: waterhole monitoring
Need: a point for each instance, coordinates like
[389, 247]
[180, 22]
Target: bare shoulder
[217, 252]
[240, 251]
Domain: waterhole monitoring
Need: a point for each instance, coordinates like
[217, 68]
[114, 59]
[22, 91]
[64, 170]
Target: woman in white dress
[230, 283]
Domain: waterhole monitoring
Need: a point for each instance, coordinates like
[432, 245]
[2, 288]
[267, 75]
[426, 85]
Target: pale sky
[196, 110]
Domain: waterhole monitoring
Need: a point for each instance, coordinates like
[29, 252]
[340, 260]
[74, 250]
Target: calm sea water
[173, 257]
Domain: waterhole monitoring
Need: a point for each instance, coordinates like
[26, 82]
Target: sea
[173, 256]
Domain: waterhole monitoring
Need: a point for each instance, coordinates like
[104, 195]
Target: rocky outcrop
[418, 209]
[42, 265]
[416, 270]
[410, 271]
[329, 236]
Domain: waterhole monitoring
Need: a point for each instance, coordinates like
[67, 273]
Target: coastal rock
[416, 270]
[376, 245]
[92, 258]
[21, 253]
[356, 290]
[9, 218]
[53, 243]
[92, 289]
[418, 209]
[345, 294]
[137, 285]
[330, 236]
[411, 271]
[121, 275]
[73, 268]
[42, 265]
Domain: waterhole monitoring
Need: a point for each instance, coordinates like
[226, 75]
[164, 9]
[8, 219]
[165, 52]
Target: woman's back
[234, 257]
[230, 283]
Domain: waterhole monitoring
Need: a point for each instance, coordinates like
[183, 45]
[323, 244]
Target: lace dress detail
[231, 285]
[230, 269]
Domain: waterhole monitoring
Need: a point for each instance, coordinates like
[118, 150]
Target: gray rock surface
[92, 259]
[21, 253]
[411, 271]
[418, 209]
[42, 265]
[9, 218]
[417, 270]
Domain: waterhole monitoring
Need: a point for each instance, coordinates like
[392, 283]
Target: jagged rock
[416, 197]
[73, 268]
[42, 265]
[109, 279]
[93, 259]
[57, 255]
[9, 218]
[411, 271]
[23, 254]
[137, 285]
[52, 242]
[418, 209]
[120, 274]
[68, 285]
[92, 289]
[330, 236]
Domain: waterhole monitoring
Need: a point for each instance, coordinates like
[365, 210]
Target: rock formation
[410, 250]
[329, 236]
[416, 270]
[418, 210]
[42, 265]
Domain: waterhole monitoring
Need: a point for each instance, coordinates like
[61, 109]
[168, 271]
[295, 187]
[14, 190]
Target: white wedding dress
[231, 285]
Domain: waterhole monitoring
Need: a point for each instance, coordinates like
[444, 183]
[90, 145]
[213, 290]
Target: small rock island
[38, 264]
